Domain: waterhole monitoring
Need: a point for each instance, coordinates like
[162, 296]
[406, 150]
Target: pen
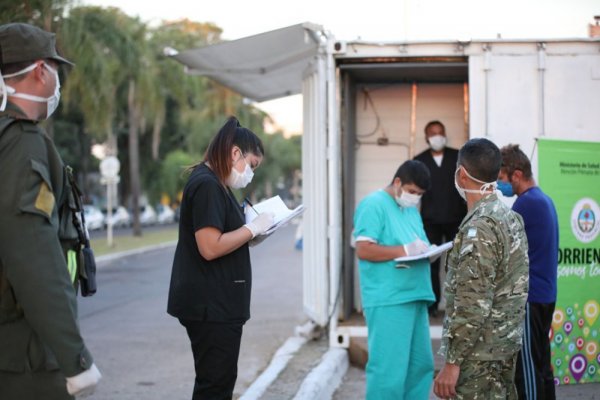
[250, 204]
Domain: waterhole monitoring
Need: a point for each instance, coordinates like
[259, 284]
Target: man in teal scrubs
[388, 225]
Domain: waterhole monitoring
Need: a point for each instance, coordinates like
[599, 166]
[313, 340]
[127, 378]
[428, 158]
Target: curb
[323, 380]
[279, 361]
[115, 256]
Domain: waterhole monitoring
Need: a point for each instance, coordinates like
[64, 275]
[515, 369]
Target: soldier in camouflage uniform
[486, 286]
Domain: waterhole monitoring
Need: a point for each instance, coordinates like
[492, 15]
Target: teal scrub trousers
[400, 365]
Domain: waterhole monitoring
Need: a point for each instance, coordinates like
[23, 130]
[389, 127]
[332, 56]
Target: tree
[47, 14]
[122, 78]
[185, 96]
[124, 92]
[91, 86]
[172, 176]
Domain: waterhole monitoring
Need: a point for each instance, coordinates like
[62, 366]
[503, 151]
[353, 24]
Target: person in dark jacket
[442, 209]
[42, 353]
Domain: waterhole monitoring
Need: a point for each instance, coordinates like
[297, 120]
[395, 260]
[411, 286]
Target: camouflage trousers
[487, 380]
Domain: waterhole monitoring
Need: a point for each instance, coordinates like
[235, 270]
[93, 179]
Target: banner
[569, 172]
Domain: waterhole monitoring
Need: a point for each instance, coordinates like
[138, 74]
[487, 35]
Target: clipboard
[283, 215]
[432, 254]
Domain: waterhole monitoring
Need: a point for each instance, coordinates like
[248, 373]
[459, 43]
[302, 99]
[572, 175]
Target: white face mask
[408, 199]
[51, 102]
[437, 142]
[239, 180]
[486, 187]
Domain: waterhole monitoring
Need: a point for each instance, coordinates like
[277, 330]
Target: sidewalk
[313, 371]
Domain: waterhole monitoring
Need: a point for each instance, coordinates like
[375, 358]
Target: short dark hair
[514, 159]
[219, 149]
[413, 171]
[431, 123]
[15, 67]
[481, 158]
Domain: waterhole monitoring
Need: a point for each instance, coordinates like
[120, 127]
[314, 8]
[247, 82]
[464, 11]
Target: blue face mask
[505, 188]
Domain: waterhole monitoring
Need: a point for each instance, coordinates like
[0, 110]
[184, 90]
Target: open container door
[388, 97]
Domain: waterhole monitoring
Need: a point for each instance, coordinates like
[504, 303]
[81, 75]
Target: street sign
[109, 167]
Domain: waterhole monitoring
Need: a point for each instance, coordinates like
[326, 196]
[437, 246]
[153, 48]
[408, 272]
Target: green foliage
[91, 36]
[282, 158]
[46, 14]
[171, 176]
[122, 81]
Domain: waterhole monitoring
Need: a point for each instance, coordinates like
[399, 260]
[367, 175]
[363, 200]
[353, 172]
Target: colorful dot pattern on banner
[568, 327]
[575, 342]
[590, 311]
[577, 366]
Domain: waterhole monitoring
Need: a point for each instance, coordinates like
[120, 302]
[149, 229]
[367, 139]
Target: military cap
[23, 42]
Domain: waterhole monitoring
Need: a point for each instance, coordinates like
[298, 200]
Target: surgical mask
[408, 199]
[486, 187]
[51, 102]
[506, 188]
[239, 180]
[437, 142]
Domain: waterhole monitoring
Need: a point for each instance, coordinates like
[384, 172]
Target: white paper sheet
[433, 253]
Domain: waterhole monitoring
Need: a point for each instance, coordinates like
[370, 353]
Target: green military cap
[23, 42]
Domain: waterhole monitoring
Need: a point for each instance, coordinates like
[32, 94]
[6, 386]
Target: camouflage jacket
[486, 285]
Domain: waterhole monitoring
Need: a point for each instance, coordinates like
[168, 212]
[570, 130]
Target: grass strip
[129, 242]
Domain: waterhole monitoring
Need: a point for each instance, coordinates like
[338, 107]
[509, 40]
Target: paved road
[144, 354]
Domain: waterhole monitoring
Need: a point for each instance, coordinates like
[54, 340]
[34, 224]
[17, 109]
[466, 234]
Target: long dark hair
[231, 134]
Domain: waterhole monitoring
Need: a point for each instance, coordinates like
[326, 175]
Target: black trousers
[533, 376]
[216, 347]
[438, 234]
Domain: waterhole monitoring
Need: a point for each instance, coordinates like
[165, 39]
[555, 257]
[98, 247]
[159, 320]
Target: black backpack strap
[87, 265]
[78, 214]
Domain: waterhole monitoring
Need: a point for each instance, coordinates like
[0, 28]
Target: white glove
[261, 223]
[415, 248]
[84, 383]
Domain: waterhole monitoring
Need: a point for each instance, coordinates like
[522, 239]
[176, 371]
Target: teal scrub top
[379, 217]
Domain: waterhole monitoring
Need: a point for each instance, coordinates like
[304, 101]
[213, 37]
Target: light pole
[109, 169]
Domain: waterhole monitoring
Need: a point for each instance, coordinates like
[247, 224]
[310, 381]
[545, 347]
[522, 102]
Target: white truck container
[365, 106]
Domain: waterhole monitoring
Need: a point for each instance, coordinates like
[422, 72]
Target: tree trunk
[84, 151]
[268, 189]
[156, 128]
[134, 158]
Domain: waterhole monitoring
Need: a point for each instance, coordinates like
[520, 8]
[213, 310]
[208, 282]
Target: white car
[147, 215]
[166, 215]
[120, 218]
[94, 219]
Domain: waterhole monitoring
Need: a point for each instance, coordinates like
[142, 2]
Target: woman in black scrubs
[211, 277]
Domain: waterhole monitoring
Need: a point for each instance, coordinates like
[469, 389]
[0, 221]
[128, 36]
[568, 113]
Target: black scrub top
[202, 290]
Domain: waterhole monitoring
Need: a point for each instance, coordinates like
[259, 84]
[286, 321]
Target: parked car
[147, 215]
[166, 215]
[120, 217]
[94, 219]
[177, 213]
